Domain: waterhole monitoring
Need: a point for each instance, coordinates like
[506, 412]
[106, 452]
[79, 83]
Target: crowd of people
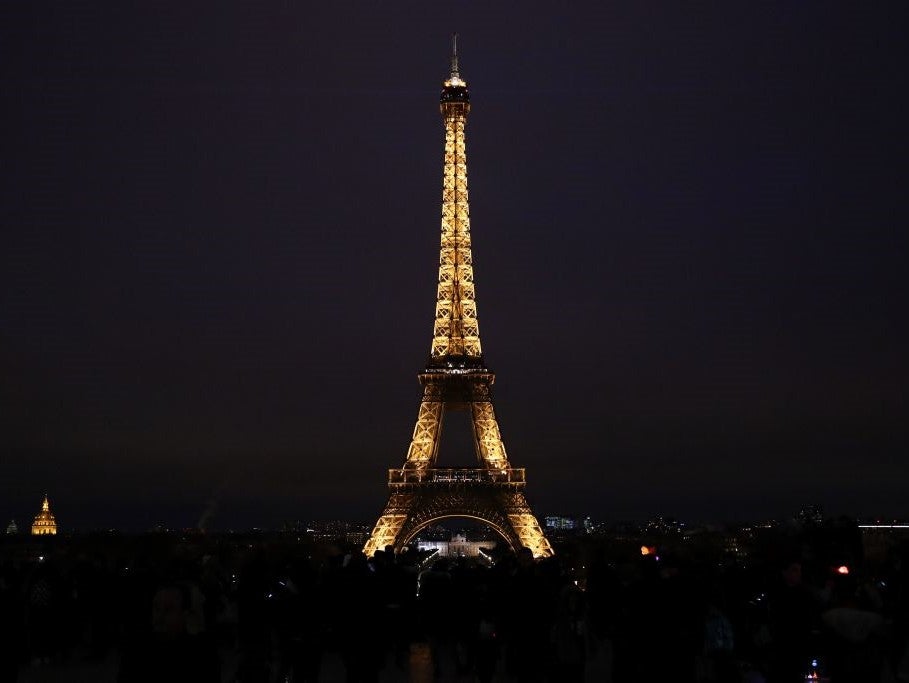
[170, 609]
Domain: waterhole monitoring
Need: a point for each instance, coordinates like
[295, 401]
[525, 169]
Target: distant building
[811, 515]
[880, 538]
[12, 528]
[665, 525]
[734, 548]
[356, 537]
[45, 524]
[559, 523]
[458, 546]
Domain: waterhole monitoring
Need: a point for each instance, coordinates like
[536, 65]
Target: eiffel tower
[456, 379]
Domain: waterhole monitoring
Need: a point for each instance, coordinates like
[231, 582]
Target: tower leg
[388, 529]
[489, 445]
[424, 445]
[525, 525]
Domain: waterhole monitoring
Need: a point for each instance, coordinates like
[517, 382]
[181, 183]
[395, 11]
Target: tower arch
[419, 525]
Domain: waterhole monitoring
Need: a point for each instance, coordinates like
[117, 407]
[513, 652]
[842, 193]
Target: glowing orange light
[647, 551]
[842, 569]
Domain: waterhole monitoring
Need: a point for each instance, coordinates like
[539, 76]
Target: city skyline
[221, 239]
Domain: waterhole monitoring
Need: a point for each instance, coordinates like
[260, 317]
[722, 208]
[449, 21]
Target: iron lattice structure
[456, 378]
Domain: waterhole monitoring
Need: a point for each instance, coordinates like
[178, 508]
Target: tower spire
[454, 56]
[456, 332]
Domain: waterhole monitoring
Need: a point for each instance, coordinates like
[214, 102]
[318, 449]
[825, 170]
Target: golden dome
[45, 524]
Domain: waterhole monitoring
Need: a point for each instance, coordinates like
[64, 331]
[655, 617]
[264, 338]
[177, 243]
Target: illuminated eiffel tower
[456, 378]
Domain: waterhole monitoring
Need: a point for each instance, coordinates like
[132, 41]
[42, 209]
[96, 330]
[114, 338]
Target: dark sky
[220, 241]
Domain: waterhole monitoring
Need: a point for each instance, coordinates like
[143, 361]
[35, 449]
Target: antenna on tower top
[454, 56]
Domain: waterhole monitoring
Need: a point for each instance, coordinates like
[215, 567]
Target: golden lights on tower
[456, 331]
[456, 378]
[44, 524]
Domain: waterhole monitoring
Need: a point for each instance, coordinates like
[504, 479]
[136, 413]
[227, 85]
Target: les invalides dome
[45, 524]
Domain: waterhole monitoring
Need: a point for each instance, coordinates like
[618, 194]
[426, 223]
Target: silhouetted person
[398, 589]
[253, 631]
[91, 605]
[792, 615]
[719, 645]
[170, 653]
[435, 587]
[299, 623]
[525, 625]
[856, 636]
[568, 635]
[603, 597]
[10, 626]
[43, 605]
[485, 653]
[360, 620]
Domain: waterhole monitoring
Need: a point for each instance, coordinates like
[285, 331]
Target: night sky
[220, 242]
